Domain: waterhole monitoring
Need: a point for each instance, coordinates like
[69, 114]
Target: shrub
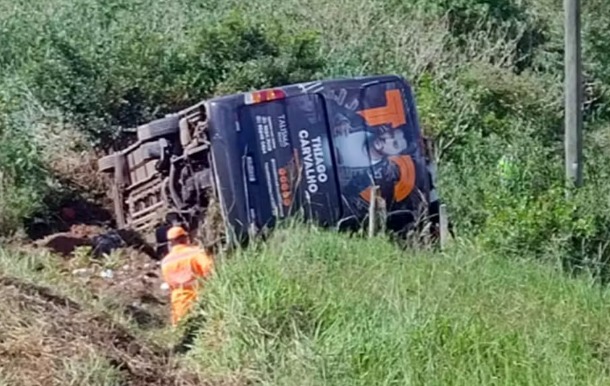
[104, 77]
[23, 178]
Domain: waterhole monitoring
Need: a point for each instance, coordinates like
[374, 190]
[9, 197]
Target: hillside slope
[487, 77]
[63, 328]
[314, 308]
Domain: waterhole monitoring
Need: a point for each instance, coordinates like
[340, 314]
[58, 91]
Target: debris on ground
[102, 241]
[105, 243]
[111, 264]
[82, 272]
[131, 279]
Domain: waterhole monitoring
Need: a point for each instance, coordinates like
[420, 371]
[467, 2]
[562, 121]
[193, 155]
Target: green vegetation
[488, 81]
[315, 308]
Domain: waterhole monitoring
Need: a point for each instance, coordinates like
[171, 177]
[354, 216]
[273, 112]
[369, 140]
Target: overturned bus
[233, 166]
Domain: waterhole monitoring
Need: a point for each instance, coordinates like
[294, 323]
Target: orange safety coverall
[180, 269]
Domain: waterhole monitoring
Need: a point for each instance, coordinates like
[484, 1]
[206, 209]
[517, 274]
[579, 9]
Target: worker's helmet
[176, 232]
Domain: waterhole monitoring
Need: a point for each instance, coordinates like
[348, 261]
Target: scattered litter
[81, 271]
[107, 274]
[164, 287]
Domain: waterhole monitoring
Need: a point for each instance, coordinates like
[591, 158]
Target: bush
[23, 179]
[108, 67]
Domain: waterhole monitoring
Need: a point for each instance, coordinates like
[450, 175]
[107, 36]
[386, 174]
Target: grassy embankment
[312, 307]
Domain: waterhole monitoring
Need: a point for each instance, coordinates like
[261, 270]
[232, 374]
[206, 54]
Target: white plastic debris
[107, 274]
[164, 287]
[81, 272]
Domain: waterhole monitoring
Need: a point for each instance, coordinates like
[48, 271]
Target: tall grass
[315, 308]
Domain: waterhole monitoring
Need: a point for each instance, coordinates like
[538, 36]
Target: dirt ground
[127, 273]
[41, 332]
[134, 280]
[47, 339]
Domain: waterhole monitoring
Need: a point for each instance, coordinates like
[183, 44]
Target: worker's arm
[202, 264]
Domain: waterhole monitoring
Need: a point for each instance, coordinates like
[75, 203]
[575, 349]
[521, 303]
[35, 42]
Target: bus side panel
[318, 189]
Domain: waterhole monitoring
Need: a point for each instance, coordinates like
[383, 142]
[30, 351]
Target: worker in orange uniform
[181, 269]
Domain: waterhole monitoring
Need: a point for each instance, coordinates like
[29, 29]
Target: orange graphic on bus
[393, 113]
[285, 189]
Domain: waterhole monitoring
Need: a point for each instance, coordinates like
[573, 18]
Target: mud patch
[101, 240]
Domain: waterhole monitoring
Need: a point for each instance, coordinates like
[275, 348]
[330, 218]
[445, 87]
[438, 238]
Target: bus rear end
[317, 149]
